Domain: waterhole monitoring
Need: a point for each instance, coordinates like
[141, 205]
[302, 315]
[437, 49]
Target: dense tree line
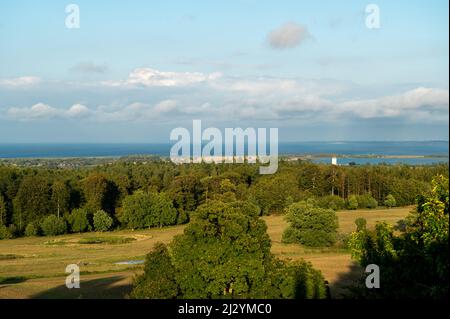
[161, 193]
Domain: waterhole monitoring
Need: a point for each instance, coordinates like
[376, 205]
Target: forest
[225, 251]
[43, 201]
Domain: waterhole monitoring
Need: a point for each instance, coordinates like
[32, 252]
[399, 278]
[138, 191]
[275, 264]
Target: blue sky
[135, 70]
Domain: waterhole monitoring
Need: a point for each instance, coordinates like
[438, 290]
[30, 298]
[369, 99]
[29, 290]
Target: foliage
[79, 220]
[31, 230]
[53, 225]
[414, 264]
[352, 202]
[224, 253]
[361, 224]
[366, 201]
[3, 211]
[29, 194]
[143, 210]
[310, 225]
[4, 232]
[332, 202]
[102, 221]
[390, 201]
[157, 281]
[32, 200]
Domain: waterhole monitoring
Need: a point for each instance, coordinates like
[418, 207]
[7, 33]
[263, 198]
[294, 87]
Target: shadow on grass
[12, 280]
[101, 288]
[345, 284]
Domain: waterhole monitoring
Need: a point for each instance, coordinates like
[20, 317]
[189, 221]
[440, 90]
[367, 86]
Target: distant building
[334, 160]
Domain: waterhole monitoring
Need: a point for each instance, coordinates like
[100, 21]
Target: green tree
[224, 253]
[60, 197]
[102, 221]
[390, 201]
[31, 230]
[95, 188]
[415, 263]
[5, 232]
[3, 211]
[310, 225]
[142, 210]
[32, 201]
[361, 223]
[53, 225]
[79, 220]
[157, 281]
[352, 202]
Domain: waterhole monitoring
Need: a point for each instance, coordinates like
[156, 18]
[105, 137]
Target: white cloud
[420, 101]
[77, 110]
[35, 112]
[41, 111]
[150, 77]
[223, 98]
[20, 81]
[165, 106]
[288, 36]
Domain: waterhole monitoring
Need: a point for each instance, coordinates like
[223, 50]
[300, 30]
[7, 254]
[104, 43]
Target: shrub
[367, 201]
[360, 223]
[310, 225]
[390, 201]
[4, 232]
[31, 230]
[182, 217]
[102, 221]
[352, 202]
[79, 221]
[53, 225]
[332, 202]
[289, 236]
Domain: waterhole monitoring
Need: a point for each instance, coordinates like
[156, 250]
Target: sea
[363, 152]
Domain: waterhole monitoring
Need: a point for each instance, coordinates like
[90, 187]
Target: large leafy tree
[32, 200]
[310, 225]
[142, 210]
[225, 253]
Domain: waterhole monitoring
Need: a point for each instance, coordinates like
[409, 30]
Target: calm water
[432, 148]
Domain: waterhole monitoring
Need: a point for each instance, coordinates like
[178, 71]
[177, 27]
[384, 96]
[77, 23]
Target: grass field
[34, 267]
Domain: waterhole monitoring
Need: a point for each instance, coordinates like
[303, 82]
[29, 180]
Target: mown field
[35, 267]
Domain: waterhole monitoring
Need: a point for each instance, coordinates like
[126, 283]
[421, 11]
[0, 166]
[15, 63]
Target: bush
[182, 217]
[390, 201]
[53, 225]
[31, 230]
[332, 202]
[289, 236]
[310, 225]
[360, 223]
[352, 202]
[4, 232]
[102, 221]
[367, 201]
[79, 221]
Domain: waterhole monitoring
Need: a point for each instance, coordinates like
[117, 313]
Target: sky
[134, 70]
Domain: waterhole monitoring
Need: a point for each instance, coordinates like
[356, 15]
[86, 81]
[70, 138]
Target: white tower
[334, 160]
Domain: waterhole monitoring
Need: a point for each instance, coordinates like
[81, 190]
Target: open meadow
[34, 267]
